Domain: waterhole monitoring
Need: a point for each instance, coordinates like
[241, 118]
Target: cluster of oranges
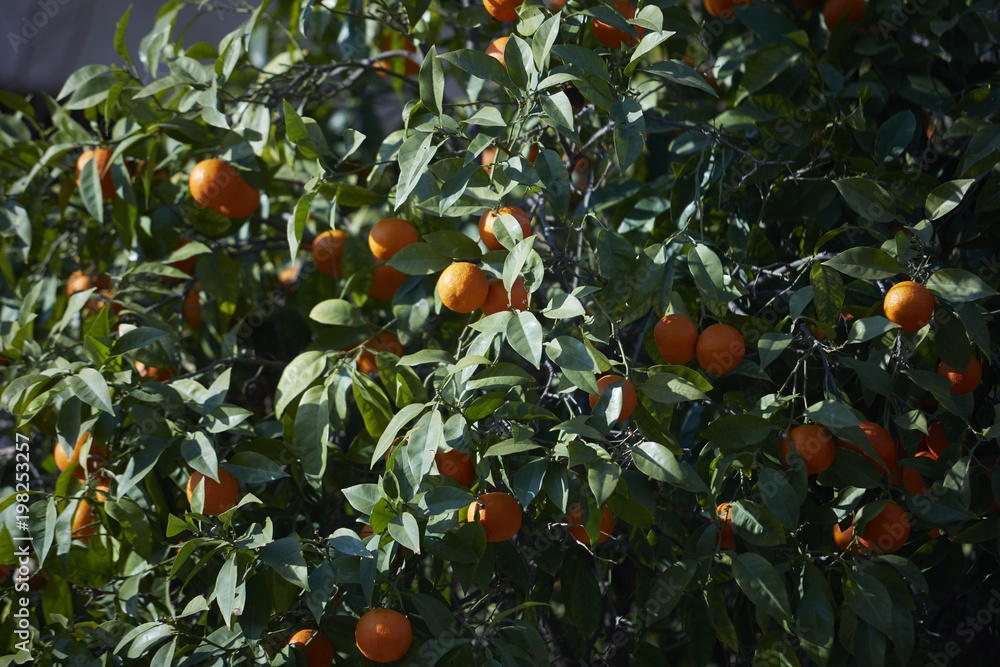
[382, 635]
[719, 348]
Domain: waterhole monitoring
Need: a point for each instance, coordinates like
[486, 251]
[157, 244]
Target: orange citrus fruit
[813, 443]
[881, 441]
[220, 496]
[158, 374]
[676, 338]
[497, 299]
[934, 441]
[463, 287]
[834, 10]
[96, 459]
[245, 200]
[628, 394]
[83, 520]
[909, 304]
[579, 533]
[612, 37]
[315, 645]
[489, 156]
[887, 531]
[410, 68]
[487, 220]
[102, 156]
[103, 487]
[720, 348]
[386, 282]
[213, 183]
[366, 531]
[384, 342]
[503, 10]
[723, 8]
[843, 538]
[964, 382]
[912, 481]
[726, 538]
[383, 635]
[495, 49]
[192, 308]
[327, 250]
[457, 465]
[389, 236]
[498, 513]
[80, 281]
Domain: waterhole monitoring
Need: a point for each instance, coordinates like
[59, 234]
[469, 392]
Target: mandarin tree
[520, 333]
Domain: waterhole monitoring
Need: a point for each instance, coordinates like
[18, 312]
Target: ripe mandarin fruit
[912, 481]
[498, 513]
[909, 304]
[726, 538]
[315, 645]
[457, 465]
[723, 8]
[80, 281]
[389, 236]
[192, 308]
[463, 287]
[489, 156]
[103, 487]
[102, 156]
[158, 374]
[579, 533]
[628, 394]
[533, 153]
[244, 202]
[410, 68]
[720, 348]
[220, 496]
[834, 10]
[612, 37]
[96, 458]
[676, 338]
[495, 49]
[213, 183]
[386, 282]
[503, 10]
[83, 520]
[489, 218]
[934, 441]
[844, 539]
[881, 441]
[384, 342]
[383, 635]
[498, 300]
[813, 443]
[964, 382]
[327, 249]
[887, 531]
[287, 279]
[366, 531]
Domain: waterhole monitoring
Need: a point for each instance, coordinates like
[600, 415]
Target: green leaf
[869, 599]
[756, 524]
[478, 64]
[524, 333]
[664, 387]
[419, 259]
[431, 78]
[894, 135]
[90, 387]
[337, 312]
[957, 286]
[555, 179]
[943, 199]
[771, 345]
[296, 378]
[416, 153]
[225, 588]
[284, 556]
[779, 496]
[656, 461]
[735, 432]
[571, 353]
[868, 328]
[866, 264]
[680, 73]
[828, 292]
[667, 590]
[404, 529]
[868, 199]
[763, 585]
[120, 47]
[814, 618]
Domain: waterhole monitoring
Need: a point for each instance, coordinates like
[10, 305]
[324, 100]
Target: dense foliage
[760, 169]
